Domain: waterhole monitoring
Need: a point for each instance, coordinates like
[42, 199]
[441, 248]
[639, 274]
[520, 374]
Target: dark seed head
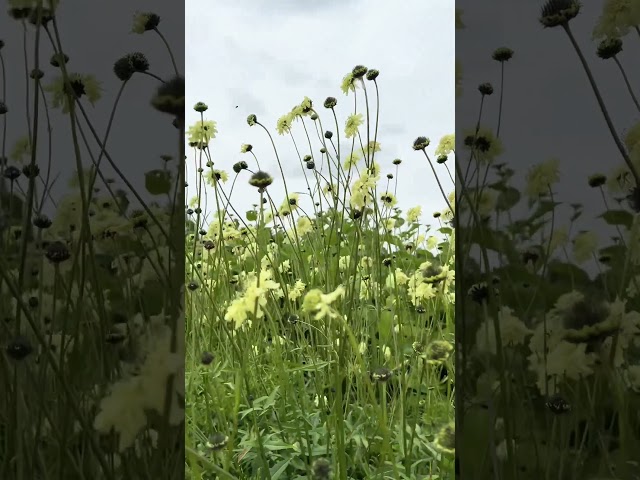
[42, 221]
[421, 143]
[359, 71]
[381, 374]
[330, 102]
[260, 179]
[57, 252]
[206, 358]
[502, 54]
[169, 97]
[200, 107]
[555, 13]
[217, 441]
[19, 348]
[609, 48]
[485, 88]
[597, 180]
[12, 173]
[321, 469]
[372, 74]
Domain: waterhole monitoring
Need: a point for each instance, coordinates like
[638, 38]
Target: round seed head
[609, 48]
[321, 469]
[421, 143]
[372, 74]
[36, 73]
[381, 374]
[597, 180]
[19, 348]
[58, 59]
[359, 71]
[57, 252]
[502, 54]
[330, 102]
[558, 12]
[206, 358]
[12, 173]
[169, 97]
[239, 166]
[31, 171]
[217, 441]
[200, 107]
[485, 88]
[42, 221]
[260, 179]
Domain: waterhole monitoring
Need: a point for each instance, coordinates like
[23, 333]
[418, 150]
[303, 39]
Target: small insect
[236, 106]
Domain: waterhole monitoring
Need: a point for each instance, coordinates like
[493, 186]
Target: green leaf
[544, 207]
[618, 217]
[252, 215]
[508, 198]
[158, 182]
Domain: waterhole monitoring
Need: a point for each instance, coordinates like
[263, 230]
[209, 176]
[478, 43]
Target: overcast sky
[549, 107]
[94, 35]
[265, 57]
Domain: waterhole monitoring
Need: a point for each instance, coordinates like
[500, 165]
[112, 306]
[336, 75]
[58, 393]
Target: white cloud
[265, 60]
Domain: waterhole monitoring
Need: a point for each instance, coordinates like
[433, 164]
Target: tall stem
[603, 107]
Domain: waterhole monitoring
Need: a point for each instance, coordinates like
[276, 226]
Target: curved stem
[501, 96]
[173, 60]
[626, 81]
[603, 107]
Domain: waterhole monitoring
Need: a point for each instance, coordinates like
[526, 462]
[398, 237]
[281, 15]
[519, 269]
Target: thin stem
[626, 81]
[501, 96]
[603, 107]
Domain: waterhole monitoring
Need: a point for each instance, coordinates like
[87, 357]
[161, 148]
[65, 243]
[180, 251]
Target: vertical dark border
[92, 383]
[558, 76]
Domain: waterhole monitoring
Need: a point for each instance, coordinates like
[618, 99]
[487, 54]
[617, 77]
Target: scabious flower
[79, 85]
[284, 124]
[352, 124]
[351, 160]
[513, 331]
[485, 145]
[144, 21]
[447, 145]
[487, 201]
[253, 299]
[559, 238]
[389, 200]
[319, 304]
[617, 19]
[202, 132]
[584, 246]
[303, 226]
[541, 177]
[348, 84]
[371, 147]
[413, 214]
[122, 411]
[297, 290]
[398, 278]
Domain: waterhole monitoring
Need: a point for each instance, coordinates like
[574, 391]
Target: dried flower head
[556, 13]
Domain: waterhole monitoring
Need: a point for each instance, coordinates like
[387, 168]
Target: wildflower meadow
[319, 324]
[548, 327]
